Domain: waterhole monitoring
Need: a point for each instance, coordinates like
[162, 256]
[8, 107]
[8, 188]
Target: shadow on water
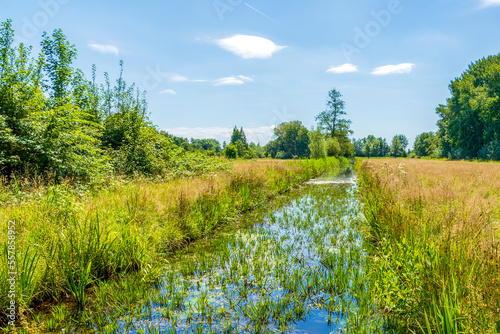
[300, 269]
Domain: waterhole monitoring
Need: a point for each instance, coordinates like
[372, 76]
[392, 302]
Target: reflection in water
[347, 177]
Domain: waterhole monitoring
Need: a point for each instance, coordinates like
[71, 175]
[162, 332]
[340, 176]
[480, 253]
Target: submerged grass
[300, 267]
[70, 240]
[434, 234]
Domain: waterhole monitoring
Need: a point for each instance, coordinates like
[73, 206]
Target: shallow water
[301, 269]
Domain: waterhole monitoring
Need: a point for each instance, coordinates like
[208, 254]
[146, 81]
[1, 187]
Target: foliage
[371, 147]
[243, 149]
[53, 121]
[231, 151]
[41, 128]
[291, 141]
[426, 144]
[239, 135]
[398, 146]
[317, 144]
[332, 147]
[334, 127]
[205, 146]
[331, 120]
[469, 123]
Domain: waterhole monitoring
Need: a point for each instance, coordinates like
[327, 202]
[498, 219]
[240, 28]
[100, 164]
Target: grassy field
[68, 238]
[434, 230]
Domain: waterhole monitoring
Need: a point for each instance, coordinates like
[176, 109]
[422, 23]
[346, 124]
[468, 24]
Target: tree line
[293, 140]
[469, 122]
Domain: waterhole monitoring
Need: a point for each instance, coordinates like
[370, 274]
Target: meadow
[434, 230]
[69, 238]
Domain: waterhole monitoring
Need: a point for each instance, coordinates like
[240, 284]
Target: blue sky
[209, 65]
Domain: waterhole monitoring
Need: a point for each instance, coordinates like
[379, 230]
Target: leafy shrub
[491, 151]
[333, 147]
[231, 152]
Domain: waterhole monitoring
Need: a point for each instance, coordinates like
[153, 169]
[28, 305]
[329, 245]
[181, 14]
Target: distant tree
[236, 135]
[291, 139]
[243, 137]
[256, 150]
[333, 124]
[231, 151]
[371, 147]
[206, 144]
[331, 120]
[317, 144]
[398, 146]
[359, 144]
[239, 139]
[404, 141]
[425, 144]
[242, 149]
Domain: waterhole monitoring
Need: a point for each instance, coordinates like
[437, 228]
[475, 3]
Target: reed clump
[434, 243]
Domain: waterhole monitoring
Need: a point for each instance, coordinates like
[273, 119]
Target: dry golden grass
[436, 224]
[471, 188]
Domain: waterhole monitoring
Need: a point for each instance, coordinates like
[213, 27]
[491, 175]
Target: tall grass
[434, 243]
[69, 238]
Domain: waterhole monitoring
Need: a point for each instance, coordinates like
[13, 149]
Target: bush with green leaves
[55, 121]
[231, 151]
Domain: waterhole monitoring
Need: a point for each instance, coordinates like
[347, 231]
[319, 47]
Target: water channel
[298, 269]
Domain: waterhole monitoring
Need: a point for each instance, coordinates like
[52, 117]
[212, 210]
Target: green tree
[317, 144]
[59, 55]
[236, 135]
[398, 146]
[231, 151]
[40, 128]
[257, 151]
[239, 139]
[469, 124]
[371, 147]
[332, 147]
[292, 139]
[425, 144]
[331, 120]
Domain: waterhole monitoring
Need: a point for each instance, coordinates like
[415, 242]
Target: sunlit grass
[300, 266]
[69, 239]
[434, 232]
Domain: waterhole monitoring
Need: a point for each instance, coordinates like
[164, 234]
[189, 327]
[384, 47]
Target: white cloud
[168, 92]
[346, 68]
[261, 135]
[232, 80]
[172, 77]
[248, 47]
[393, 69]
[239, 80]
[490, 3]
[104, 48]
